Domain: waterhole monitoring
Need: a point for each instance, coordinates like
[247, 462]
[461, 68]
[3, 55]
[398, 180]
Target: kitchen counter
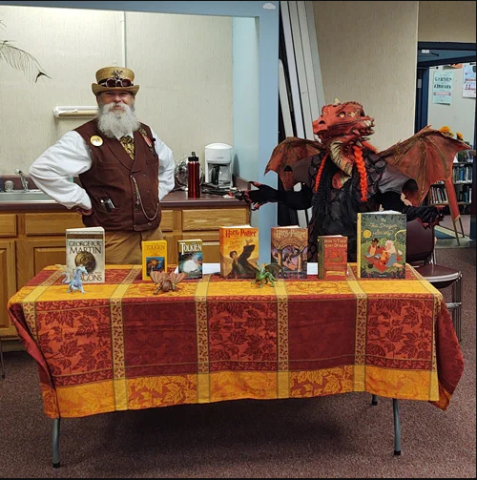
[177, 199]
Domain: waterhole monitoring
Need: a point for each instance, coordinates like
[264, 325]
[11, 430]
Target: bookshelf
[456, 193]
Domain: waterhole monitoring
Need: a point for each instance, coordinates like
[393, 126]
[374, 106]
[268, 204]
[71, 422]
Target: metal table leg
[56, 443]
[457, 312]
[397, 424]
[397, 428]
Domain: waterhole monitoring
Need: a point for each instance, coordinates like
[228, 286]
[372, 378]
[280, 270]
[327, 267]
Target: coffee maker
[218, 165]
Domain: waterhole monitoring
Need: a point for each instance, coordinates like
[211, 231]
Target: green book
[382, 244]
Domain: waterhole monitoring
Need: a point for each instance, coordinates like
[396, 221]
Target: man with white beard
[124, 169]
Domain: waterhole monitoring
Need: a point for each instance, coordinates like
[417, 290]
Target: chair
[420, 253]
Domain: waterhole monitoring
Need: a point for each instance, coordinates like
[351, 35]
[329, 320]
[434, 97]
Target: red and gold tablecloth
[119, 347]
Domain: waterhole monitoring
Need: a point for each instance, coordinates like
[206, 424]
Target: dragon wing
[273, 268]
[67, 272]
[426, 157]
[288, 152]
[177, 277]
[157, 277]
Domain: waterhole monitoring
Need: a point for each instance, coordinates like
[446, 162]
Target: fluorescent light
[62, 112]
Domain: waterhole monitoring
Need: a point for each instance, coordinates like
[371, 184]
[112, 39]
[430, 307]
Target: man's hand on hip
[84, 211]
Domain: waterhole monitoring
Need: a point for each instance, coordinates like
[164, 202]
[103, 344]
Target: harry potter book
[190, 258]
[85, 246]
[381, 244]
[332, 257]
[289, 249]
[238, 251]
[154, 257]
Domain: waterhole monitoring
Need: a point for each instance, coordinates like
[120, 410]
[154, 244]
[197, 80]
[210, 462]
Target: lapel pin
[96, 140]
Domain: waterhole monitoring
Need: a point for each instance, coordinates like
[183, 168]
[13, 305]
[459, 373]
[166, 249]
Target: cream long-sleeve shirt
[70, 156]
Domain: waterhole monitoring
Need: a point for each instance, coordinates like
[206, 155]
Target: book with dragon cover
[190, 258]
[332, 257]
[154, 258]
[289, 249]
[238, 251]
[381, 244]
[85, 246]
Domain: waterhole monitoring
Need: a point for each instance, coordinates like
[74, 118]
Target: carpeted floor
[446, 237]
[444, 233]
[338, 436]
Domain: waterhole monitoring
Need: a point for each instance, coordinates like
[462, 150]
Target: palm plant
[19, 59]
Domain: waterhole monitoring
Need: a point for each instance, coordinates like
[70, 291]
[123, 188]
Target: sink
[22, 196]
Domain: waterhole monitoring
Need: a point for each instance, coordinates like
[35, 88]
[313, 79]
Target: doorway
[456, 60]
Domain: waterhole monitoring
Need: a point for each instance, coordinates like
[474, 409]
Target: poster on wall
[469, 81]
[442, 87]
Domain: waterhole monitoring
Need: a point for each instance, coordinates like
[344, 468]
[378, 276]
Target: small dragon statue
[166, 282]
[266, 273]
[74, 277]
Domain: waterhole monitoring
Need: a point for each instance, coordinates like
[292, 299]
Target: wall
[460, 114]
[246, 65]
[447, 22]
[185, 78]
[368, 53]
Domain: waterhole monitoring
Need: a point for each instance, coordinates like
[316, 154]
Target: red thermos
[193, 183]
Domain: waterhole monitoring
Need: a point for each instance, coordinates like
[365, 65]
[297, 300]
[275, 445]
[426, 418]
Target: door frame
[422, 77]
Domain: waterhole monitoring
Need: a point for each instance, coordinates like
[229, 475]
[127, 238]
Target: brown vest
[115, 175]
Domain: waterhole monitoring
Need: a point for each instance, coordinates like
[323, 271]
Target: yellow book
[154, 257]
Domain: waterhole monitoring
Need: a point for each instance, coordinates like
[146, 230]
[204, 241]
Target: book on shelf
[238, 247]
[289, 249]
[85, 246]
[381, 244]
[190, 258]
[332, 257]
[154, 257]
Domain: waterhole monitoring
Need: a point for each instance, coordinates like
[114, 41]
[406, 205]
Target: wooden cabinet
[32, 240]
[8, 281]
[34, 254]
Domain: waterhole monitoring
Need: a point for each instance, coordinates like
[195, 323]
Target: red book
[332, 257]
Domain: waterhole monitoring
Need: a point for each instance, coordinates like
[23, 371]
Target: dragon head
[343, 121]
[341, 128]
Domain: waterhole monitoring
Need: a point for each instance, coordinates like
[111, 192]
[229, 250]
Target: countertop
[175, 199]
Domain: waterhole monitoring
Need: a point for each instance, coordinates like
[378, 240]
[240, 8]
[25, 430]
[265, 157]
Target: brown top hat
[114, 78]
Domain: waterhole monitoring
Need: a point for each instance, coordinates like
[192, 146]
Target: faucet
[23, 179]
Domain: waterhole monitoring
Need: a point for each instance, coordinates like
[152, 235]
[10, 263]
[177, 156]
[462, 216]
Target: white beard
[117, 123]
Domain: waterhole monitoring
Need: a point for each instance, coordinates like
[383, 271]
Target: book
[190, 258]
[85, 246]
[332, 257]
[154, 257]
[381, 251]
[238, 247]
[289, 249]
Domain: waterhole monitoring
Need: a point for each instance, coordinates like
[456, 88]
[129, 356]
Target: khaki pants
[124, 247]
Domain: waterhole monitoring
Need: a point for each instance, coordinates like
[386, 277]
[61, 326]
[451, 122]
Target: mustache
[109, 107]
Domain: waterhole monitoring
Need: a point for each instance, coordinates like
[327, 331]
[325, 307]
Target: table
[120, 347]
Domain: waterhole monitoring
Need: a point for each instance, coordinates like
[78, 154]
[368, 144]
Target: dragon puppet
[341, 174]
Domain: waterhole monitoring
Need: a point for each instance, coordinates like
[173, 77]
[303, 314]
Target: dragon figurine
[342, 174]
[266, 274]
[166, 282]
[73, 277]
